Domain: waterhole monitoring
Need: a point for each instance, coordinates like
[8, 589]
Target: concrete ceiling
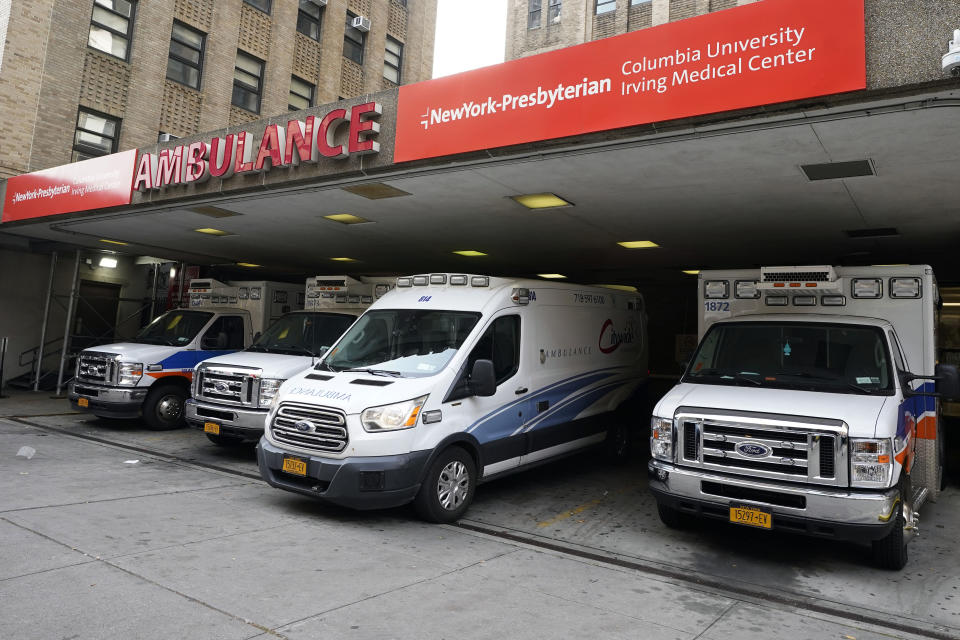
[722, 197]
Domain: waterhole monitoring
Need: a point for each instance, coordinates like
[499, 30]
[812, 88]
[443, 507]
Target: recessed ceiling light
[376, 191]
[692, 272]
[346, 218]
[108, 263]
[551, 276]
[113, 241]
[247, 264]
[213, 232]
[619, 287]
[541, 201]
[343, 259]
[470, 253]
[639, 244]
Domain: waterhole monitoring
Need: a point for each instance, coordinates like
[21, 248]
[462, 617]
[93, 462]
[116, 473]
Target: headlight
[390, 417]
[661, 438]
[871, 462]
[130, 374]
[268, 390]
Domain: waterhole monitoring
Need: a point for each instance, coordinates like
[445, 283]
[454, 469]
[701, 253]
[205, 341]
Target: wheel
[448, 487]
[163, 408]
[223, 441]
[890, 552]
[620, 442]
[673, 518]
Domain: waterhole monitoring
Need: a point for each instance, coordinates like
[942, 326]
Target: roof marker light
[480, 281]
[833, 301]
[746, 289]
[458, 280]
[420, 281]
[804, 301]
[438, 278]
[776, 301]
[404, 282]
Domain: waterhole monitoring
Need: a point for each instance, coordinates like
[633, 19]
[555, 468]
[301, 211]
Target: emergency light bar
[818, 278]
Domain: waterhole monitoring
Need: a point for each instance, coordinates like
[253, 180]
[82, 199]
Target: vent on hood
[372, 383]
[318, 376]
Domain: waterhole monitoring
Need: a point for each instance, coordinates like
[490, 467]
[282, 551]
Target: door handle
[521, 391]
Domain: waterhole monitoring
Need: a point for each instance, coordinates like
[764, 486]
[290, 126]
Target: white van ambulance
[150, 375]
[809, 406]
[231, 392]
[451, 379]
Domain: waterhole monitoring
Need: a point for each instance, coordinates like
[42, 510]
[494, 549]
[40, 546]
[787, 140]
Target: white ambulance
[452, 379]
[809, 406]
[150, 375]
[231, 392]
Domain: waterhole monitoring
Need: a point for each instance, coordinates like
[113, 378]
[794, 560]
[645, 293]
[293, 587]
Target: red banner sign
[89, 184]
[761, 53]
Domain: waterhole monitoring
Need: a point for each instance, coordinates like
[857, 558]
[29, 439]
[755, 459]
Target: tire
[890, 552]
[164, 408]
[620, 442]
[673, 518]
[448, 487]
[224, 441]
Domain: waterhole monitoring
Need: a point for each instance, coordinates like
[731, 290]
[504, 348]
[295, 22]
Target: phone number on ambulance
[586, 298]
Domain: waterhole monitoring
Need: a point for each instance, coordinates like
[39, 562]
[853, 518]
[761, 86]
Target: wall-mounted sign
[88, 184]
[757, 54]
[278, 146]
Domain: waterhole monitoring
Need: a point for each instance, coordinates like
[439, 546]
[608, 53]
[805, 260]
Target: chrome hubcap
[453, 484]
[170, 408]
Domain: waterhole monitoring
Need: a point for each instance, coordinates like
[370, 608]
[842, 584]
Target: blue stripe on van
[571, 408]
[189, 359]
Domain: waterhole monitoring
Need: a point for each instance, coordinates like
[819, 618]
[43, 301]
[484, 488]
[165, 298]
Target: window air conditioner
[167, 137]
[361, 24]
[319, 3]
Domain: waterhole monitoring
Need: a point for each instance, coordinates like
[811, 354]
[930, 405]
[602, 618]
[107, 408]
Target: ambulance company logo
[611, 338]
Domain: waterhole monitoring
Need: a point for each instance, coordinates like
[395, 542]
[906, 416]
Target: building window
[96, 135]
[393, 60]
[553, 11]
[606, 6]
[301, 94]
[353, 41]
[247, 82]
[533, 13]
[636, 2]
[309, 19]
[110, 27]
[186, 55]
[263, 5]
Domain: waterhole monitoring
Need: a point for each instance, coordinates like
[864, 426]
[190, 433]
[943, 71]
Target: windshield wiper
[377, 372]
[813, 376]
[728, 374]
[258, 349]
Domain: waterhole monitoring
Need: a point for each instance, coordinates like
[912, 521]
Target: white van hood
[272, 365]
[137, 352]
[353, 392]
[860, 412]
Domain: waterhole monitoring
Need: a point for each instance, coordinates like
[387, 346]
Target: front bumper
[389, 481]
[239, 422]
[819, 511]
[108, 402]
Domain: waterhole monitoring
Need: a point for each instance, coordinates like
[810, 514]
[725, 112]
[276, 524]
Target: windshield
[175, 328]
[836, 358]
[402, 342]
[303, 333]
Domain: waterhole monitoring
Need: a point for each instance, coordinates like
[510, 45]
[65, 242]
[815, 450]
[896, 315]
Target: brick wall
[49, 71]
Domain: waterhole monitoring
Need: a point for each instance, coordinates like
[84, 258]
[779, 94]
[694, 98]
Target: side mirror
[323, 350]
[948, 381]
[483, 381]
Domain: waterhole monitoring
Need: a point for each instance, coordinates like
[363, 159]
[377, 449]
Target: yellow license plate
[211, 427]
[83, 402]
[295, 466]
[751, 516]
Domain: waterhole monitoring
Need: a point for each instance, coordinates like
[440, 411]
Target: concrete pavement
[93, 546]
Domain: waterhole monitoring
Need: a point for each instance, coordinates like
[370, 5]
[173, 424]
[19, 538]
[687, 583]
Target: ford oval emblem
[221, 386]
[753, 449]
[303, 425]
